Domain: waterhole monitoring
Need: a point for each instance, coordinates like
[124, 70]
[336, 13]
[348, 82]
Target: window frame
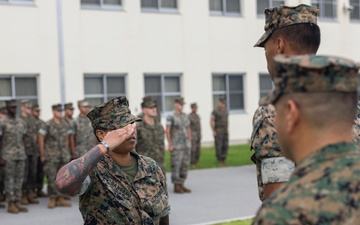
[105, 96]
[102, 6]
[227, 91]
[357, 4]
[223, 12]
[32, 98]
[321, 4]
[271, 5]
[160, 9]
[18, 2]
[261, 91]
[162, 92]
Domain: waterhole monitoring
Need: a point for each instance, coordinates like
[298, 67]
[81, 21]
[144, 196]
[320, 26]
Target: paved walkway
[217, 195]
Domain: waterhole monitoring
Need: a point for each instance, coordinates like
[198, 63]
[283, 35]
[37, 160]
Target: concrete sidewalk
[217, 195]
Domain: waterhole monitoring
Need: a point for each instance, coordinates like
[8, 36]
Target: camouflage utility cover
[282, 16]
[112, 115]
[312, 73]
[322, 190]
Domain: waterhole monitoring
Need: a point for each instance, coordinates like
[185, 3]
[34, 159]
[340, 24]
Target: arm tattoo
[70, 177]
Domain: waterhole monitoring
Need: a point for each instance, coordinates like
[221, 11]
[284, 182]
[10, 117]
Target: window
[266, 84]
[164, 88]
[231, 87]
[100, 88]
[327, 8]
[159, 5]
[110, 4]
[20, 2]
[19, 87]
[225, 7]
[355, 13]
[264, 4]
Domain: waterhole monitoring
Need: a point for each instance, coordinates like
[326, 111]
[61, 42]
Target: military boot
[24, 199]
[2, 206]
[61, 202]
[186, 190]
[52, 203]
[178, 189]
[2, 197]
[31, 199]
[12, 208]
[40, 193]
[20, 208]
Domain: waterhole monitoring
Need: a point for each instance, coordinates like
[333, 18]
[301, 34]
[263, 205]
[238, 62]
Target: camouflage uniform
[113, 197]
[13, 131]
[55, 150]
[84, 135]
[271, 166]
[356, 127]
[180, 156]
[40, 170]
[150, 142]
[323, 188]
[195, 137]
[222, 136]
[31, 152]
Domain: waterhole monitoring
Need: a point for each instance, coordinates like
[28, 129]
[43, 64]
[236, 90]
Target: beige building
[54, 51]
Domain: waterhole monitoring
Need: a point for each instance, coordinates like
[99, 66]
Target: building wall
[191, 42]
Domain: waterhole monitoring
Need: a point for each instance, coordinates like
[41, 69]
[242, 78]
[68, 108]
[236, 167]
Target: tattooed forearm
[70, 177]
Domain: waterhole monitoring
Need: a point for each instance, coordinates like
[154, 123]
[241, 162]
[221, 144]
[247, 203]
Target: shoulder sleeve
[169, 120]
[43, 128]
[264, 137]
[213, 114]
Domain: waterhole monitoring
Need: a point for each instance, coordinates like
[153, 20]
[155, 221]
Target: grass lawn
[238, 222]
[237, 155]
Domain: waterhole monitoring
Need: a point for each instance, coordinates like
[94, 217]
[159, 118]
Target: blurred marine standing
[150, 134]
[178, 135]
[12, 133]
[195, 135]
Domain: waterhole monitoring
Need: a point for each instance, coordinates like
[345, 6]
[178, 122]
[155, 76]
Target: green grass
[238, 222]
[238, 155]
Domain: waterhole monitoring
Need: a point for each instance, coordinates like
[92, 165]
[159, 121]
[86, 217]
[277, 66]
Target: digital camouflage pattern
[55, 141]
[40, 170]
[178, 130]
[222, 136]
[195, 128]
[14, 177]
[150, 142]
[112, 115]
[84, 135]
[264, 141]
[13, 131]
[312, 73]
[282, 16]
[113, 197]
[180, 156]
[30, 136]
[322, 190]
[356, 126]
[71, 125]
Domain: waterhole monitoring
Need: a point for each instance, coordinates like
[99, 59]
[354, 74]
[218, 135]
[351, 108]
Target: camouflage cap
[193, 105]
[69, 106]
[179, 100]
[312, 74]
[26, 103]
[112, 115]
[222, 100]
[57, 107]
[148, 102]
[83, 103]
[282, 16]
[10, 103]
[36, 108]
